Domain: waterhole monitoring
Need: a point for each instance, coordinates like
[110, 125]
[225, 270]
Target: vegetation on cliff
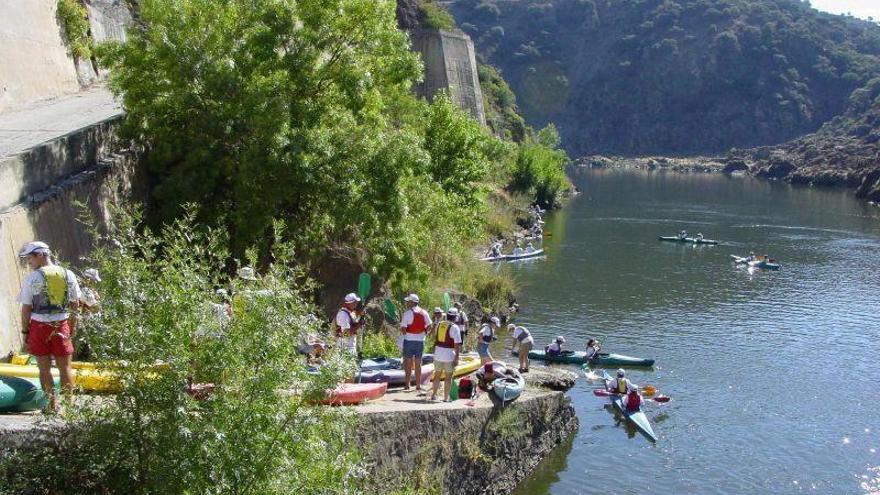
[674, 76]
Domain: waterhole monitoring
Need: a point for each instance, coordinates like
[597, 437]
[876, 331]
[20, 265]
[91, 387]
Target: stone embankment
[764, 164]
[455, 448]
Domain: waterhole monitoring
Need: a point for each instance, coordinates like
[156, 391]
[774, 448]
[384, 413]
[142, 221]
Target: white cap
[495, 320]
[92, 274]
[412, 298]
[438, 310]
[247, 273]
[511, 326]
[560, 339]
[35, 247]
[351, 297]
[621, 373]
[452, 312]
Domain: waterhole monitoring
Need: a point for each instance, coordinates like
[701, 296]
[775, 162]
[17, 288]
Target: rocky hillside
[633, 77]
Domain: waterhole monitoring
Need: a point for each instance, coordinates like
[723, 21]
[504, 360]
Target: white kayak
[513, 257]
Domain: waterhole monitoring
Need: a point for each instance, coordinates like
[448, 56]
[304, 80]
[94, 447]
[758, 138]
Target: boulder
[735, 166]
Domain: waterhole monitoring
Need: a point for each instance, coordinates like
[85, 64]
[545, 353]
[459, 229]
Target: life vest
[353, 325]
[487, 338]
[52, 299]
[524, 334]
[621, 386]
[419, 323]
[633, 401]
[444, 336]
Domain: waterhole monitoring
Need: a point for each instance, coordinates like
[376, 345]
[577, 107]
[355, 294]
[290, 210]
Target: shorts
[448, 368]
[526, 347]
[413, 348]
[46, 339]
[483, 349]
[347, 344]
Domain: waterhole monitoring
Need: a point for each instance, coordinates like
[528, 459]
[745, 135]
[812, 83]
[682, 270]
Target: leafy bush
[540, 167]
[75, 19]
[436, 16]
[256, 433]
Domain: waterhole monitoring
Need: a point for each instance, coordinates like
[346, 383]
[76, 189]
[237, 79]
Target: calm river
[775, 376]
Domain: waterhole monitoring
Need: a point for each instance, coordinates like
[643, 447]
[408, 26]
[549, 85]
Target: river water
[774, 375]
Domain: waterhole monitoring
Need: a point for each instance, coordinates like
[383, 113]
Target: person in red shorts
[49, 300]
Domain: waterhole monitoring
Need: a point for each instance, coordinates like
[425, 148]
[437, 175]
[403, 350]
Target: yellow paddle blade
[649, 390]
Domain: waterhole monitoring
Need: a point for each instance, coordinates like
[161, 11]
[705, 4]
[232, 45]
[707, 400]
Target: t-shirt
[555, 347]
[407, 320]
[343, 319]
[445, 354]
[34, 283]
[518, 331]
[591, 351]
[462, 320]
[486, 331]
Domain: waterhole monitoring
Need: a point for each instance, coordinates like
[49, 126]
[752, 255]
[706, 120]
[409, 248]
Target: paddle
[601, 392]
[447, 302]
[390, 309]
[363, 291]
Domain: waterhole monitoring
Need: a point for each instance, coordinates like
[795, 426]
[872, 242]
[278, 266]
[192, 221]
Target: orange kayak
[354, 393]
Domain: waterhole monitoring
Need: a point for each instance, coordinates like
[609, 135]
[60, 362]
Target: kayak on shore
[509, 387]
[467, 364]
[18, 394]
[691, 240]
[513, 257]
[349, 394]
[580, 357]
[90, 380]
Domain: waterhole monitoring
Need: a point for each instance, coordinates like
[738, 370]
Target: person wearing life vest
[622, 386]
[438, 317]
[347, 323]
[49, 300]
[522, 338]
[462, 321]
[555, 348]
[485, 337]
[446, 351]
[414, 325]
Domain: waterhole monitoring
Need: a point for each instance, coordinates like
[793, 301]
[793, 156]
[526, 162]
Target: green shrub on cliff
[540, 168]
[75, 20]
[250, 435]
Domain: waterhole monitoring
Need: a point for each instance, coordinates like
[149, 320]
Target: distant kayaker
[414, 325]
[555, 348]
[485, 337]
[347, 324]
[683, 234]
[699, 236]
[621, 385]
[446, 352]
[751, 256]
[522, 338]
[593, 348]
[463, 322]
[530, 248]
[517, 251]
[49, 300]
[494, 251]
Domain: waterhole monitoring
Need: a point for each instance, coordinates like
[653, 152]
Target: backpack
[465, 388]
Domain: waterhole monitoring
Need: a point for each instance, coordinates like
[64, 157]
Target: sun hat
[495, 320]
[351, 297]
[34, 247]
[412, 298]
[560, 339]
[437, 310]
[511, 326]
[621, 373]
[452, 312]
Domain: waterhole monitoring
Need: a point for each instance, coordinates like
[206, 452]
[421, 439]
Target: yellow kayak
[467, 364]
[31, 360]
[88, 379]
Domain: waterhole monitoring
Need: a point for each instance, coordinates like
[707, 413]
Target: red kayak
[354, 393]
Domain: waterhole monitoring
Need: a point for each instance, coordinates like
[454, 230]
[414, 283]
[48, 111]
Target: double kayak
[514, 257]
[762, 264]
[348, 394]
[688, 240]
[580, 357]
[91, 380]
[638, 418]
[19, 394]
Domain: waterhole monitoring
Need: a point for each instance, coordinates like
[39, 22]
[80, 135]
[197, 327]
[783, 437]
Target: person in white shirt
[49, 300]
[414, 325]
[522, 338]
[446, 352]
[462, 321]
[485, 337]
[347, 324]
[555, 348]
[623, 386]
[593, 347]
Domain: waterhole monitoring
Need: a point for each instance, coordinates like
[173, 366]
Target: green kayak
[21, 394]
[580, 357]
[690, 240]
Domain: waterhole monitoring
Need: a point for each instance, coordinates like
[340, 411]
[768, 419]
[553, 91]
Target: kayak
[32, 360]
[513, 257]
[393, 376]
[691, 240]
[765, 265]
[354, 393]
[509, 387]
[19, 394]
[637, 418]
[467, 364]
[380, 363]
[580, 357]
[88, 379]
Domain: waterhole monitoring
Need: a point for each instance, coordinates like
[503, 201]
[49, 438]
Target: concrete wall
[450, 64]
[35, 62]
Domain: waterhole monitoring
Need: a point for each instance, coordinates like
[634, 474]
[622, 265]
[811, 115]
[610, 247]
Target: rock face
[464, 451]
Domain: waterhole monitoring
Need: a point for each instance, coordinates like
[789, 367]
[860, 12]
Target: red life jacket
[353, 325]
[444, 336]
[419, 323]
[633, 401]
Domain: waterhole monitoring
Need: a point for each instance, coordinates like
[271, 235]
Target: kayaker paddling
[523, 339]
[592, 350]
[683, 235]
[699, 236]
[414, 325]
[555, 348]
[623, 386]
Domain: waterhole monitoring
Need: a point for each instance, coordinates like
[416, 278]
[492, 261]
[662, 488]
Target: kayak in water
[691, 240]
[580, 357]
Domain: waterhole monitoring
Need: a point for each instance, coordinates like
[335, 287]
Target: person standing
[49, 300]
[90, 300]
[414, 325]
[446, 352]
[462, 321]
[347, 324]
[485, 337]
[523, 338]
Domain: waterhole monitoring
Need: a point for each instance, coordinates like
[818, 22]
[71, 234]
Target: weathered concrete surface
[35, 60]
[450, 65]
[457, 448]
